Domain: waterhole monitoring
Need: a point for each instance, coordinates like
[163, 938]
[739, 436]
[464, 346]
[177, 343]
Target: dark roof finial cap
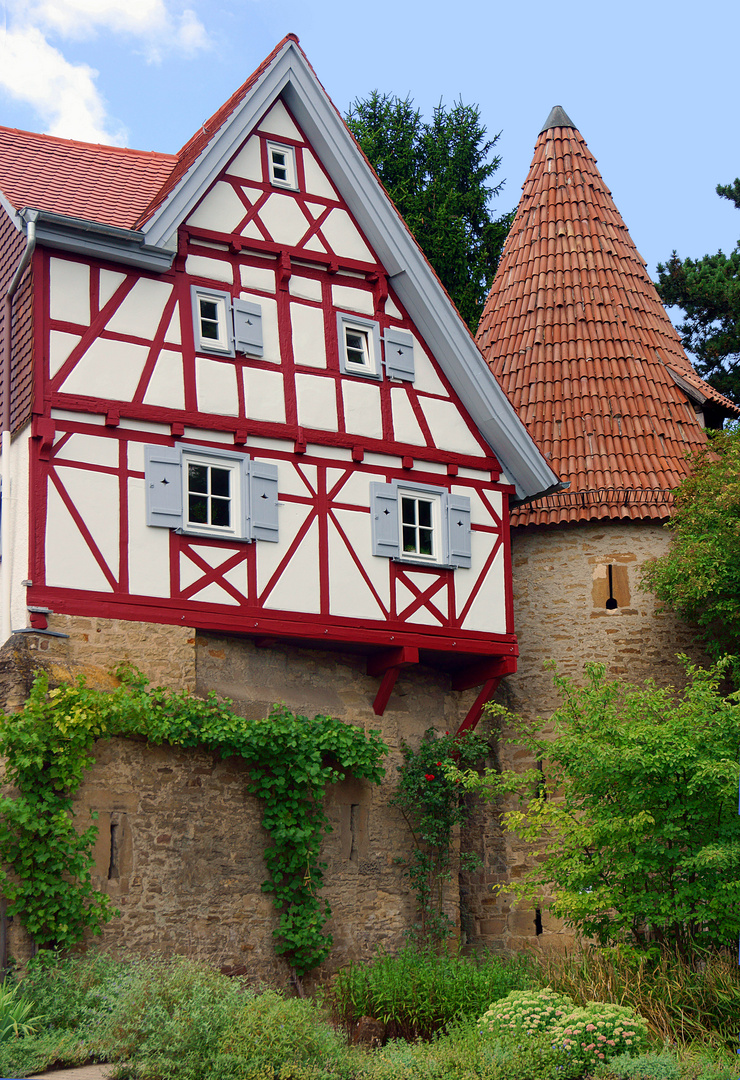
[558, 118]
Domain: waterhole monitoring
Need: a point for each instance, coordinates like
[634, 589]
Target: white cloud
[64, 94]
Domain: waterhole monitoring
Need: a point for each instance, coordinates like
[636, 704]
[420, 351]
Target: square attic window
[281, 161]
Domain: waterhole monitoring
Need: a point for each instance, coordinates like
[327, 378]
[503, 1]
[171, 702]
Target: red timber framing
[419, 613]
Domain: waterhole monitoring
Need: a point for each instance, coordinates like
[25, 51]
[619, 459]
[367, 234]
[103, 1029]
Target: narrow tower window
[611, 602]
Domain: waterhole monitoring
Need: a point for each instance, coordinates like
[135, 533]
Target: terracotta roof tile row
[107, 184]
[577, 336]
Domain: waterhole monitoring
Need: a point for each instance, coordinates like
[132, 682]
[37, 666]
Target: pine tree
[708, 290]
[437, 174]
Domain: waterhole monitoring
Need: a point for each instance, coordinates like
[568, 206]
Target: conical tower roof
[577, 336]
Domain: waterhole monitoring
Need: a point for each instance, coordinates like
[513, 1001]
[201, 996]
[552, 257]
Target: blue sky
[651, 85]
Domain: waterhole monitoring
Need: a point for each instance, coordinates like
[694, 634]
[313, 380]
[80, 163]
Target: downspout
[5, 522]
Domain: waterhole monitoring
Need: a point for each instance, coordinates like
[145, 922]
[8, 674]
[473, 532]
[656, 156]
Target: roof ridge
[557, 117]
[104, 147]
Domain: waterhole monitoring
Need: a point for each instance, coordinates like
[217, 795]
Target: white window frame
[434, 500]
[224, 346]
[290, 181]
[370, 332]
[234, 466]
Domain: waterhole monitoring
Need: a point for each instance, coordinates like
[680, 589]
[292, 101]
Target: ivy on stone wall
[434, 806]
[48, 748]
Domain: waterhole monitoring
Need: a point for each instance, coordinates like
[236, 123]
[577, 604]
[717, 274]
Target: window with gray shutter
[420, 524]
[212, 492]
[399, 354]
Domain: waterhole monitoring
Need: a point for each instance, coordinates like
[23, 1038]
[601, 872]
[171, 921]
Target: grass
[680, 1001]
[420, 994]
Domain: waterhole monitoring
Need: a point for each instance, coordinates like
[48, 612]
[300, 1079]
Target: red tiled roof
[107, 184]
[576, 334]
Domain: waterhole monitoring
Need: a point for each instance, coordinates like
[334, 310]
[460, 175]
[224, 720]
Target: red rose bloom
[428, 776]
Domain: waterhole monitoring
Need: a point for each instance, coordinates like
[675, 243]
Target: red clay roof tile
[620, 423]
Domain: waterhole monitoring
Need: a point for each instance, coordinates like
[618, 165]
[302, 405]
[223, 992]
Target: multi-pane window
[359, 345]
[356, 346]
[212, 319]
[418, 526]
[281, 160]
[209, 495]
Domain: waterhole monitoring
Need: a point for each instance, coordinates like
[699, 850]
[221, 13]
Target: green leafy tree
[635, 811]
[438, 174]
[699, 576]
[708, 290]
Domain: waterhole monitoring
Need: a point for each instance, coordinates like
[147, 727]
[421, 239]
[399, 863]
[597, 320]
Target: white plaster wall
[317, 182]
[343, 296]
[140, 312]
[344, 237]
[283, 218]
[216, 386]
[448, 428]
[220, 211]
[212, 269]
[264, 395]
[309, 342]
[317, 402]
[60, 346]
[70, 291]
[278, 122]
[257, 277]
[108, 369]
[148, 548]
[362, 408]
[248, 162]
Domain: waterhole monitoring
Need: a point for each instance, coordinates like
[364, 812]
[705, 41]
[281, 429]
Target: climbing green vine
[433, 807]
[48, 748]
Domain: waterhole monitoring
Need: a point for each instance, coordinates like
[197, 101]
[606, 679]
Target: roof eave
[97, 240]
[416, 285]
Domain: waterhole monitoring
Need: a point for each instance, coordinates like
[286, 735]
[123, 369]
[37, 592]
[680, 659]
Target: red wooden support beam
[475, 674]
[471, 720]
[388, 664]
[392, 658]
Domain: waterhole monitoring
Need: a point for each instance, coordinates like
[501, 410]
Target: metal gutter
[96, 240]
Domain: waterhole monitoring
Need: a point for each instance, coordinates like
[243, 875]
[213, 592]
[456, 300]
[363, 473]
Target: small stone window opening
[353, 813]
[537, 921]
[114, 871]
[611, 602]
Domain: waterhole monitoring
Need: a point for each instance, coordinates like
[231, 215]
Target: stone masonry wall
[561, 589]
[180, 842]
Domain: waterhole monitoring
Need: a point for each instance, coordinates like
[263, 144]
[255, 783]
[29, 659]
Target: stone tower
[577, 336]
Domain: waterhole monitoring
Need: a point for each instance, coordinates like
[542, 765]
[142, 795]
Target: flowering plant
[586, 1035]
[530, 1011]
[599, 1031]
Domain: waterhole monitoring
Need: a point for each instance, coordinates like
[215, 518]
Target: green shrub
[37, 1053]
[74, 992]
[16, 1014]
[276, 1038]
[419, 992]
[462, 1054]
[670, 1064]
[168, 1019]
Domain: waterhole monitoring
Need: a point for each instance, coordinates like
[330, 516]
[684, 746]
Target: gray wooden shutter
[247, 327]
[163, 481]
[458, 530]
[399, 354]
[384, 515]
[263, 500]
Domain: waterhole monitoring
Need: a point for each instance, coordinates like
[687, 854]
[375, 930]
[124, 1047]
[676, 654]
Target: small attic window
[281, 160]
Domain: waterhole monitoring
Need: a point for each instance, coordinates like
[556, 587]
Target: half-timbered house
[249, 445]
